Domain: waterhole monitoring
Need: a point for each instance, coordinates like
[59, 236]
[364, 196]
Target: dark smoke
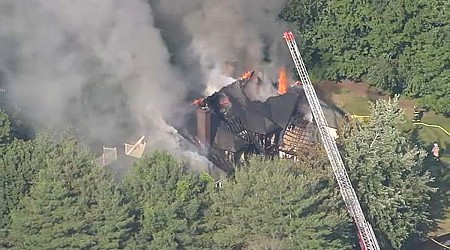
[120, 69]
[98, 64]
[206, 33]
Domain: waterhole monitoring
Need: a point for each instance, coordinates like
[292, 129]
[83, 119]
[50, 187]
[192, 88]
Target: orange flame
[198, 102]
[282, 81]
[246, 75]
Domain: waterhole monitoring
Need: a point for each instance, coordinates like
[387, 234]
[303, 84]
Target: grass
[354, 99]
[443, 225]
[355, 105]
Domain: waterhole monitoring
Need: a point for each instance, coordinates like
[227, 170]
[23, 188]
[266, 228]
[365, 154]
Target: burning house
[245, 117]
[231, 125]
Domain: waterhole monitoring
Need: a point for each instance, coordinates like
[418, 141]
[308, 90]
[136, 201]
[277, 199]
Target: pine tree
[5, 129]
[277, 205]
[388, 174]
[20, 162]
[16, 177]
[170, 203]
[74, 204]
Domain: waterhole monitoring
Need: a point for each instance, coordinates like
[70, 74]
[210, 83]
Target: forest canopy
[397, 46]
[55, 195]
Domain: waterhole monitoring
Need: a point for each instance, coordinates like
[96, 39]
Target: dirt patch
[327, 89]
[407, 104]
[354, 98]
[344, 92]
[360, 90]
[346, 95]
[357, 89]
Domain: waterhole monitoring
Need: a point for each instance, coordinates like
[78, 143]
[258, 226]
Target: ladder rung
[347, 191]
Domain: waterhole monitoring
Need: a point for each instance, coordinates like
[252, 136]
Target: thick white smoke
[100, 64]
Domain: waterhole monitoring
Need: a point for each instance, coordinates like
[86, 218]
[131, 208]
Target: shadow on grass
[440, 171]
[373, 95]
[325, 90]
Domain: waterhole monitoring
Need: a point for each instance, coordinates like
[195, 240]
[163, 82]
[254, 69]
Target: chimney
[204, 126]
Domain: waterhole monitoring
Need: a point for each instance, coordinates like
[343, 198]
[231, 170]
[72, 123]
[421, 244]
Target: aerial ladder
[367, 239]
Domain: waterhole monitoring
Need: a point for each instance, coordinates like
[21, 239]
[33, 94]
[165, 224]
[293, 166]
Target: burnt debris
[230, 126]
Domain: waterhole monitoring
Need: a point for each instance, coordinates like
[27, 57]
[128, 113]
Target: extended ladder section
[366, 235]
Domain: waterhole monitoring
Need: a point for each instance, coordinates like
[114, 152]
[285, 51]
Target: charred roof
[230, 125]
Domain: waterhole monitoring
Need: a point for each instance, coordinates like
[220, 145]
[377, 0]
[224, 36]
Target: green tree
[278, 205]
[304, 15]
[389, 176]
[170, 203]
[5, 129]
[16, 177]
[400, 46]
[74, 204]
[20, 161]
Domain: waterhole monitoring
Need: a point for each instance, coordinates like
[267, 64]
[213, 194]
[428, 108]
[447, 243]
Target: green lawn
[359, 105]
[429, 135]
[355, 105]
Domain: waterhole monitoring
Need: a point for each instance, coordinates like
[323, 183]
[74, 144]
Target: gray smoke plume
[98, 64]
[211, 32]
[107, 66]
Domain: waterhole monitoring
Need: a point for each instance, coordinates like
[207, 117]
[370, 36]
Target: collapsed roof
[231, 126]
[238, 114]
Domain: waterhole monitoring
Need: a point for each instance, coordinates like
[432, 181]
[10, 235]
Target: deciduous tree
[398, 46]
